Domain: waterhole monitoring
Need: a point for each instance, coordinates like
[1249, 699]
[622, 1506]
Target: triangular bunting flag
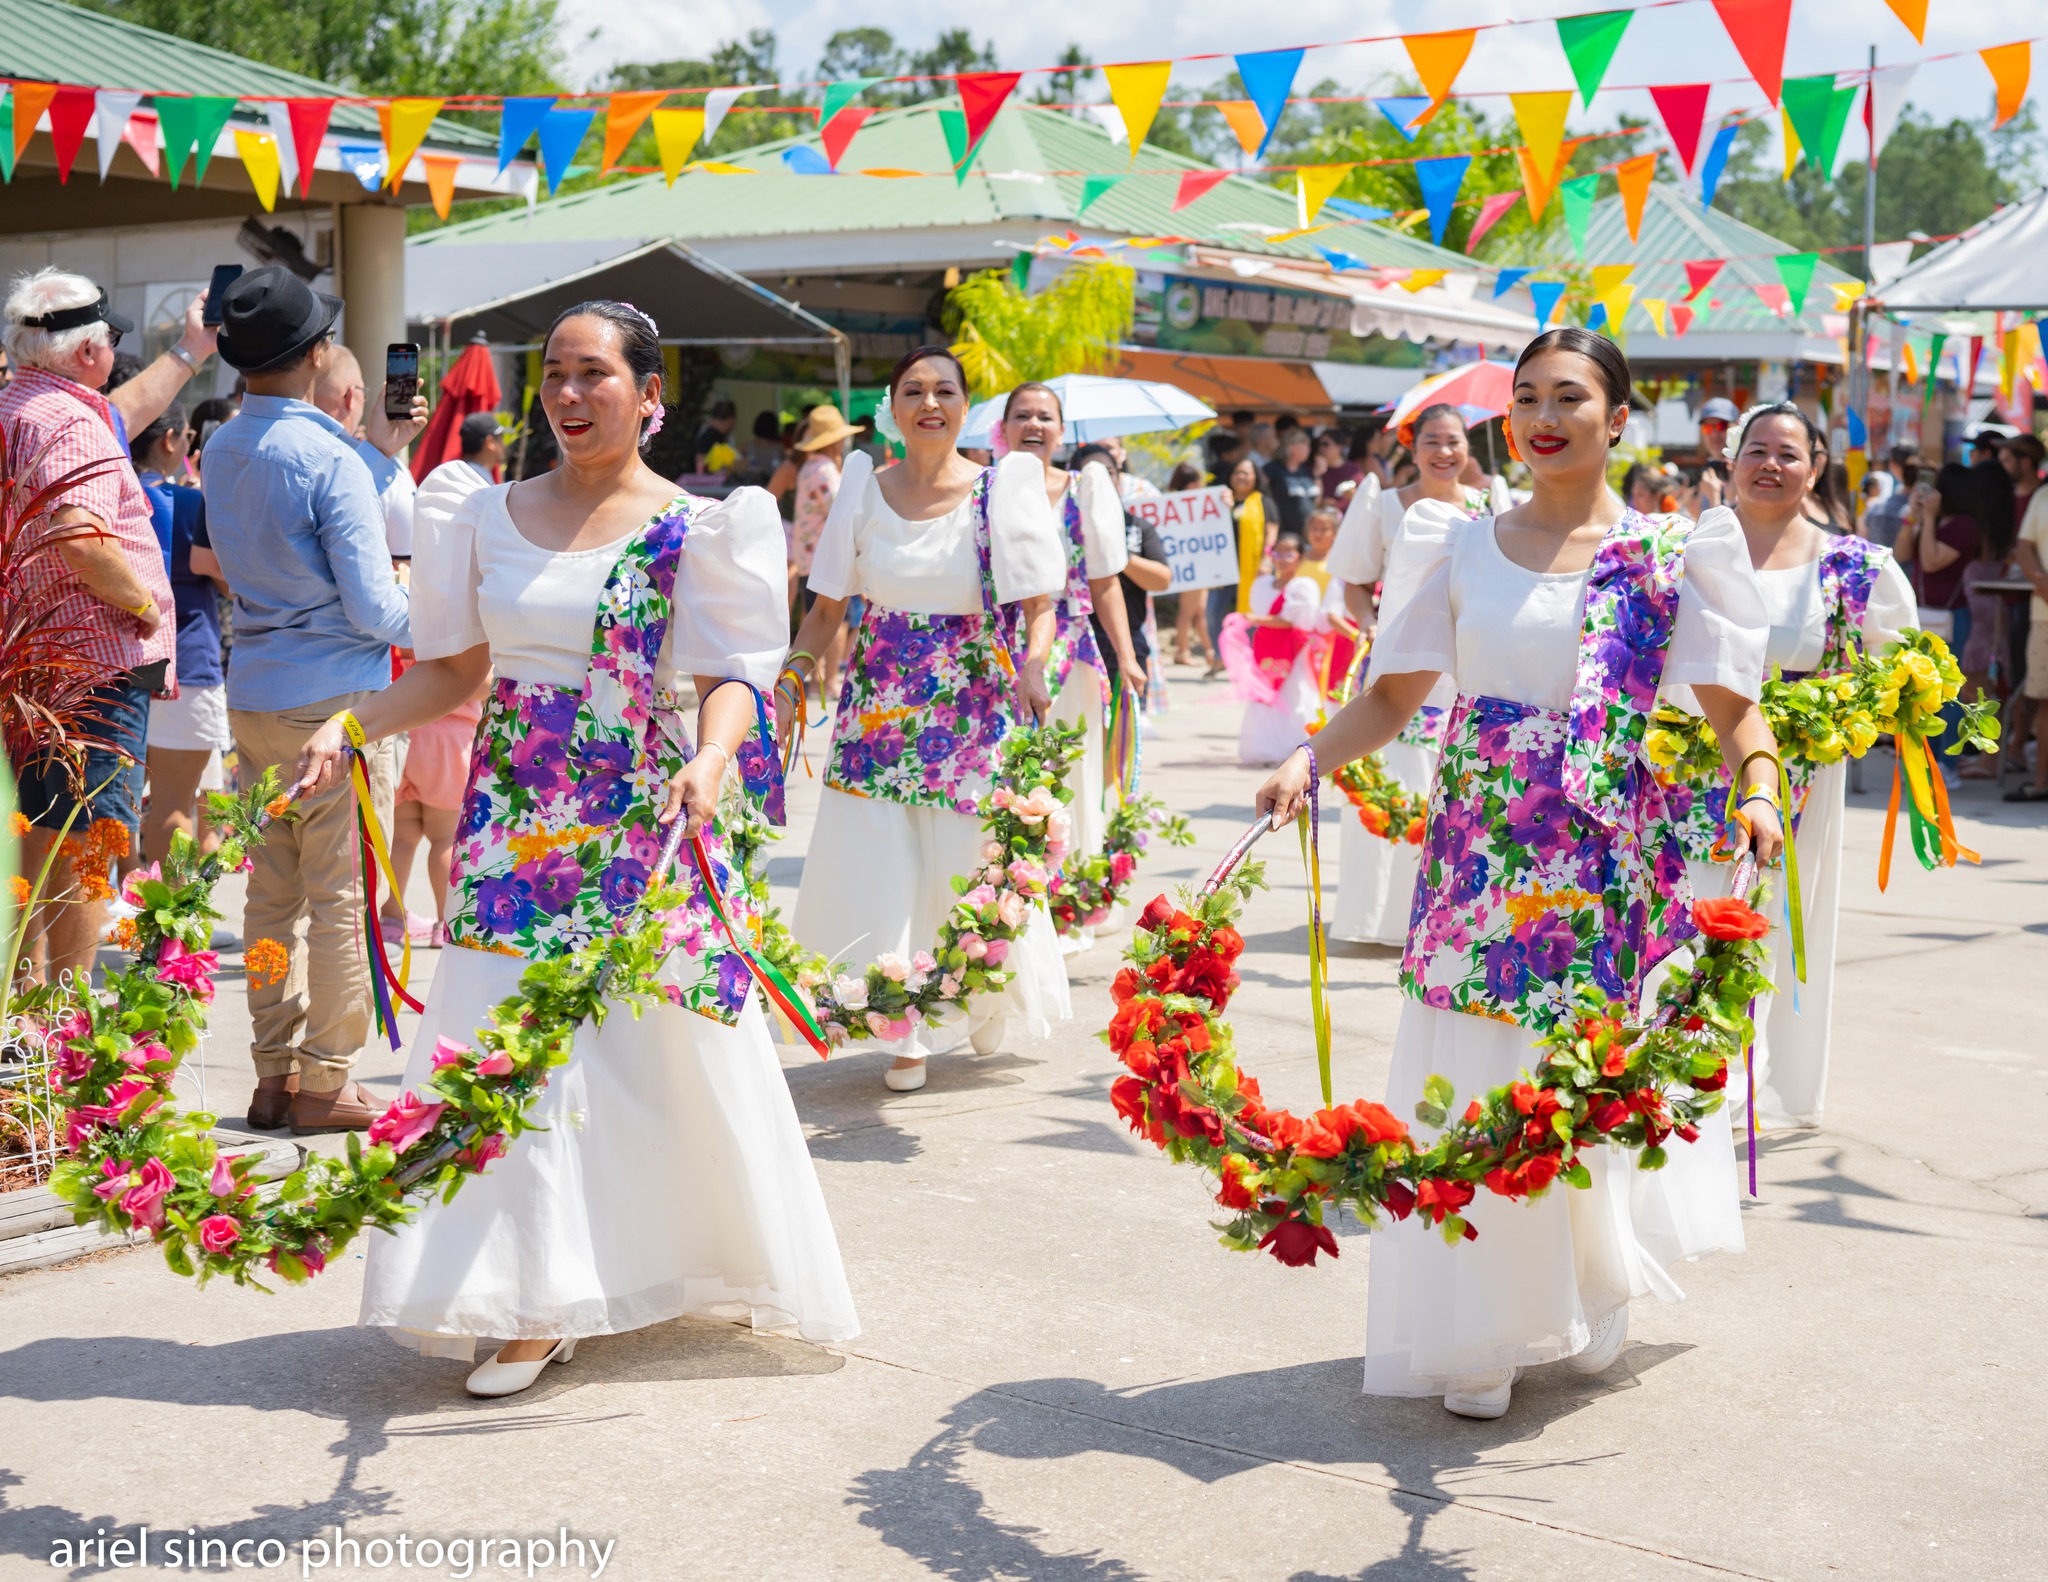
[1268, 76]
[1884, 101]
[1796, 270]
[1914, 14]
[1655, 306]
[561, 134]
[518, 119]
[441, 170]
[958, 145]
[1417, 279]
[1633, 177]
[278, 116]
[804, 160]
[1136, 90]
[1541, 118]
[1341, 263]
[1681, 318]
[1242, 116]
[1545, 294]
[1438, 58]
[1589, 43]
[982, 94]
[1818, 112]
[1715, 162]
[1578, 195]
[1314, 184]
[1684, 111]
[1788, 134]
[31, 99]
[70, 114]
[1773, 296]
[1596, 318]
[1912, 365]
[410, 121]
[1846, 293]
[145, 136]
[838, 132]
[1607, 277]
[1496, 204]
[675, 135]
[110, 124]
[719, 100]
[192, 124]
[1616, 303]
[1504, 282]
[364, 161]
[624, 115]
[2010, 65]
[1537, 185]
[259, 157]
[1405, 111]
[1093, 188]
[1699, 274]
[309, 128]
[838, 95]
[1193, 183]
[6, 135]
[1440, 180]
[1757, 29]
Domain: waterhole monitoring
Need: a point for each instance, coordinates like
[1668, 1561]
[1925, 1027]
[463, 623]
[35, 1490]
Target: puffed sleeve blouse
[478, 579]
[1502, 631]
[931, 566]
[1105, 548]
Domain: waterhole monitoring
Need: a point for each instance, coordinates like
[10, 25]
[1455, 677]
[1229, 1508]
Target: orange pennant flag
[1537, 185]
[405, 128]
[441, 170]
[1136, 90]
[1245, 123]
[2010, 66]
[1914, 14]
[1633, 177]
[1541, 118]
[625, 114]
[31, 99]
[1438, 58]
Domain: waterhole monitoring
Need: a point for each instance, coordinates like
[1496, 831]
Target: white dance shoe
[1609, 1336]
[987, 1037]
[904, 1079]
[1484, 1395]
[509, 1378]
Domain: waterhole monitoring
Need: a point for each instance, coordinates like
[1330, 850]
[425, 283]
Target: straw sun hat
[825, 426]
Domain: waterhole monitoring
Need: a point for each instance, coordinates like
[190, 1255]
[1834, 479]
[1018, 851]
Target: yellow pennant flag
[1541, 118]
[405, 128]
[624, 115]
[441, 170]
[1136, 90]
[1846, 292]
[2010, 65]
[1856, 464]
[1607, 277]
[714, 167]
[1655, 306]
[675, 134]
[1317, 183]
[1438, 58]
[1418, 278]
[1791, 142]
[1633, 177]
[1616, 303]
[259, 158]
[2008, 364]
[1246, 124]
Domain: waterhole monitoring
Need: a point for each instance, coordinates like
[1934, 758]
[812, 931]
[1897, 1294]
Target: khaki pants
[306, 892]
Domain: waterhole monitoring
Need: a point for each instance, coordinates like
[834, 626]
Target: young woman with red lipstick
[1550, 864]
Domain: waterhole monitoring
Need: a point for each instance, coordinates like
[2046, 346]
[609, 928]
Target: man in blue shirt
[297, 528]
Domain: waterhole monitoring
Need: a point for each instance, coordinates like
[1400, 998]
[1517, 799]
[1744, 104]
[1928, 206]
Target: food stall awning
[1229, 383]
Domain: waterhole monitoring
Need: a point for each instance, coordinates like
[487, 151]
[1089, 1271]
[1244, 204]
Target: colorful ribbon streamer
[1318, 947]
[1795, 915]
[779, 991]
[1125, 751]
[377, 855]
[1929, 822]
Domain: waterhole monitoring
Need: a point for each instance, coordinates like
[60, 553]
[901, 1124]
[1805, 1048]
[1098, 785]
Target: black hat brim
[315, 327]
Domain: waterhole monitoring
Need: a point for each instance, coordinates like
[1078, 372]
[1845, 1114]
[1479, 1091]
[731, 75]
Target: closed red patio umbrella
[470, 385]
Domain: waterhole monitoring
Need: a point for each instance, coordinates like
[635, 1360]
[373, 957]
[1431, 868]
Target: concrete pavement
[1063, 1377]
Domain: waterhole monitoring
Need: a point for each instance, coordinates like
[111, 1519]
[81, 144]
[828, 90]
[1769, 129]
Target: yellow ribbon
[1795, 912]
[359, 781]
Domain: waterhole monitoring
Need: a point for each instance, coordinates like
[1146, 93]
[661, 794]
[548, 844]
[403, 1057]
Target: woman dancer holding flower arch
[672, 1175]
[959, 566]
[1828, 599]
[1376, 876]
[1550, 863]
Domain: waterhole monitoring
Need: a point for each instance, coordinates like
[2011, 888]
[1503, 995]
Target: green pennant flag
[958, 149]
[1934, 366]
[1589, 43]
[838, 95]
[1796, 271]
[1578, 195]
[1020, 271]
[7, 136]
[1819, 112]
[191, 124]
[1093, 188]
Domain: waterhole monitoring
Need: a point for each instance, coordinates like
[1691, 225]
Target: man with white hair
[102, 591]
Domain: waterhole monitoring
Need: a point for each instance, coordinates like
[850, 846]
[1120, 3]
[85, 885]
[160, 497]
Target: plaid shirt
[54, 425]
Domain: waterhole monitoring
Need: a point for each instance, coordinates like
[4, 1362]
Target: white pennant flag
[1887, 99]
[1110, 119]
[720, 100]
[1888, 259]
[110, 122]
[280, 117]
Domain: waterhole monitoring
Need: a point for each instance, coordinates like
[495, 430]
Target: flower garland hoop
[1083, 891]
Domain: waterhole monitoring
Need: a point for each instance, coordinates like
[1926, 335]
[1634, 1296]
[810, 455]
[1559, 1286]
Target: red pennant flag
[1194, 183]
[1681, 318]
[70, 114]
[1775, 297]
[1684, 109]
[1699, 274]
[309, 126]
[982, 94]
[1757, 28]
[1496, 204]
[836, 133]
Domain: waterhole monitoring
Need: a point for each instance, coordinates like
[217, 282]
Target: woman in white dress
[672, 1177]
[1091, 516]
[1550, 864]
[1376, 876]
[959, 566]
[1829, 598]
[1277, 656]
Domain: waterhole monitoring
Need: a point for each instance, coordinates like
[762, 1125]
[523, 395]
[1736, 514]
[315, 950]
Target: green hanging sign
[1589, 44]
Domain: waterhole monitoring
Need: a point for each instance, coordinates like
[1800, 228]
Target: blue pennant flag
[1506, 282]
[1545, 294]
[1342, 261]
[1711, 166]
[1268, 76]
[1859, 431]
[1440, 180]
[1403, 111]
[804, 160]
[1352, 209]
[1596, 317]
[561, 134]
[517, 123]
[364, 161]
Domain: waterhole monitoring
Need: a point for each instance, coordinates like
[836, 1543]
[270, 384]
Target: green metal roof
[1675, 229]
[44, 41]
[1007, 181]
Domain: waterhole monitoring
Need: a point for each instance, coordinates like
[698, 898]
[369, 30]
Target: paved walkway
[1064, 1379]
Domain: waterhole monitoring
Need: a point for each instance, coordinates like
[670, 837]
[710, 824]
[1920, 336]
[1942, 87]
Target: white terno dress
[878, 875]
[672, 1177]
[1277, 716]
[1793, 1026]
[1541, 1273]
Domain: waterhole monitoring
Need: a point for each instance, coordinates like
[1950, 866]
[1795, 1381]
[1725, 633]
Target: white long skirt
[1079, 702]
[672, 1179]
[1794, 1025]
[1542, 1273]
[1270, 731]
[879, 877]
[1376, 877]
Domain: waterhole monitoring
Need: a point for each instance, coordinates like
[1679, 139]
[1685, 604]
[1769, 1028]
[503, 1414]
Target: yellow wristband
[143, 608]
[352, 728]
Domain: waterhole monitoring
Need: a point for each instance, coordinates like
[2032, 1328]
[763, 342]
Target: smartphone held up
[401, 378]
[224, 275]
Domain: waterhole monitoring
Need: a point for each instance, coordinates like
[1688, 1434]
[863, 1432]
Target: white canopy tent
[1999, 266]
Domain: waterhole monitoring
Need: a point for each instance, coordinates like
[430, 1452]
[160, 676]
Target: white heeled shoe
[987, 1037]
[509, 1378]
[904, 1079]
[1600, 1352]
[1483, 1395]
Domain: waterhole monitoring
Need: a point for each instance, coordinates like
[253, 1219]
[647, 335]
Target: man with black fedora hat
[295, 520]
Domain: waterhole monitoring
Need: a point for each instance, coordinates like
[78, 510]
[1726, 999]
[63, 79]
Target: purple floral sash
[1073, 632]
